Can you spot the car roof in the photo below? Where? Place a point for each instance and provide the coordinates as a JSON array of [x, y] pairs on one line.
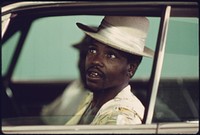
[[148, 8]]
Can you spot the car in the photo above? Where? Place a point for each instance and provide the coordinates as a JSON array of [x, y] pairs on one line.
[[39, 62]]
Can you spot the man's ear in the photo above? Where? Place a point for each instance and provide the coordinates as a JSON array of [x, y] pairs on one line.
[[132, 69]]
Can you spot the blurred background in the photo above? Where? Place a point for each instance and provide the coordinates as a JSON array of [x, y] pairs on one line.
[[54, 37]]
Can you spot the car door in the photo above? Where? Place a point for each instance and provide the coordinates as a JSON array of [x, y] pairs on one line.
[[165, 81]]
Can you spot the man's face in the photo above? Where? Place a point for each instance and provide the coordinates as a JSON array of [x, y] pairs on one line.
[[106, 67]]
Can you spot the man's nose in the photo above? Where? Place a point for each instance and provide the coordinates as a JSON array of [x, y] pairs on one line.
[[98, 60]]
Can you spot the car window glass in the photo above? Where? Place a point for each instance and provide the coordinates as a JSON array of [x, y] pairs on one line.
[[8, 49], [178, 93]]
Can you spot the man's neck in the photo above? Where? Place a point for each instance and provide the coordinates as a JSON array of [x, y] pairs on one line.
[[103, 96]]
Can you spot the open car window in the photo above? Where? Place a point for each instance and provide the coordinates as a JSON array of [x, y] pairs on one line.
[[48, 53], [48, 63]]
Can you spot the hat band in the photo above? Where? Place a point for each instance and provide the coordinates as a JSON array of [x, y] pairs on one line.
[[119, 37]]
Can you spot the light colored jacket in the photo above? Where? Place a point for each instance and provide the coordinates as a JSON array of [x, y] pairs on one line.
[[125, 108], [65, 106]]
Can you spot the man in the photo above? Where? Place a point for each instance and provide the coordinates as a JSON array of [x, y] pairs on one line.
[[114, 53]]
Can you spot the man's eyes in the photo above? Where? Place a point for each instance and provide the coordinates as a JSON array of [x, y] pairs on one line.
[[111, 55], [92, 50], [108, 54]]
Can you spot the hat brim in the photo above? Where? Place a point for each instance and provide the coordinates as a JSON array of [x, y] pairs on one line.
[[147, 52]]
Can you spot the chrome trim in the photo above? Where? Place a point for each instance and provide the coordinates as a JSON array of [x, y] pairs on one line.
[[4, 23], [157, 65]]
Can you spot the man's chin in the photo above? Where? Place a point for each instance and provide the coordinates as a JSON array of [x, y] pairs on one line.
[[93, 87]]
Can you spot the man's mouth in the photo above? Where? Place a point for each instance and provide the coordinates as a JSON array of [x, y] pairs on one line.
[[94, 73]]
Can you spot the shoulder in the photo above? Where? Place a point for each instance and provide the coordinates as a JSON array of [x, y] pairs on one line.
[[122, 109], [117, 114], [125, 101]]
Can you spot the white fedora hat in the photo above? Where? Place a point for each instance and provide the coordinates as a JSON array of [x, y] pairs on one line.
[[125, 33]]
